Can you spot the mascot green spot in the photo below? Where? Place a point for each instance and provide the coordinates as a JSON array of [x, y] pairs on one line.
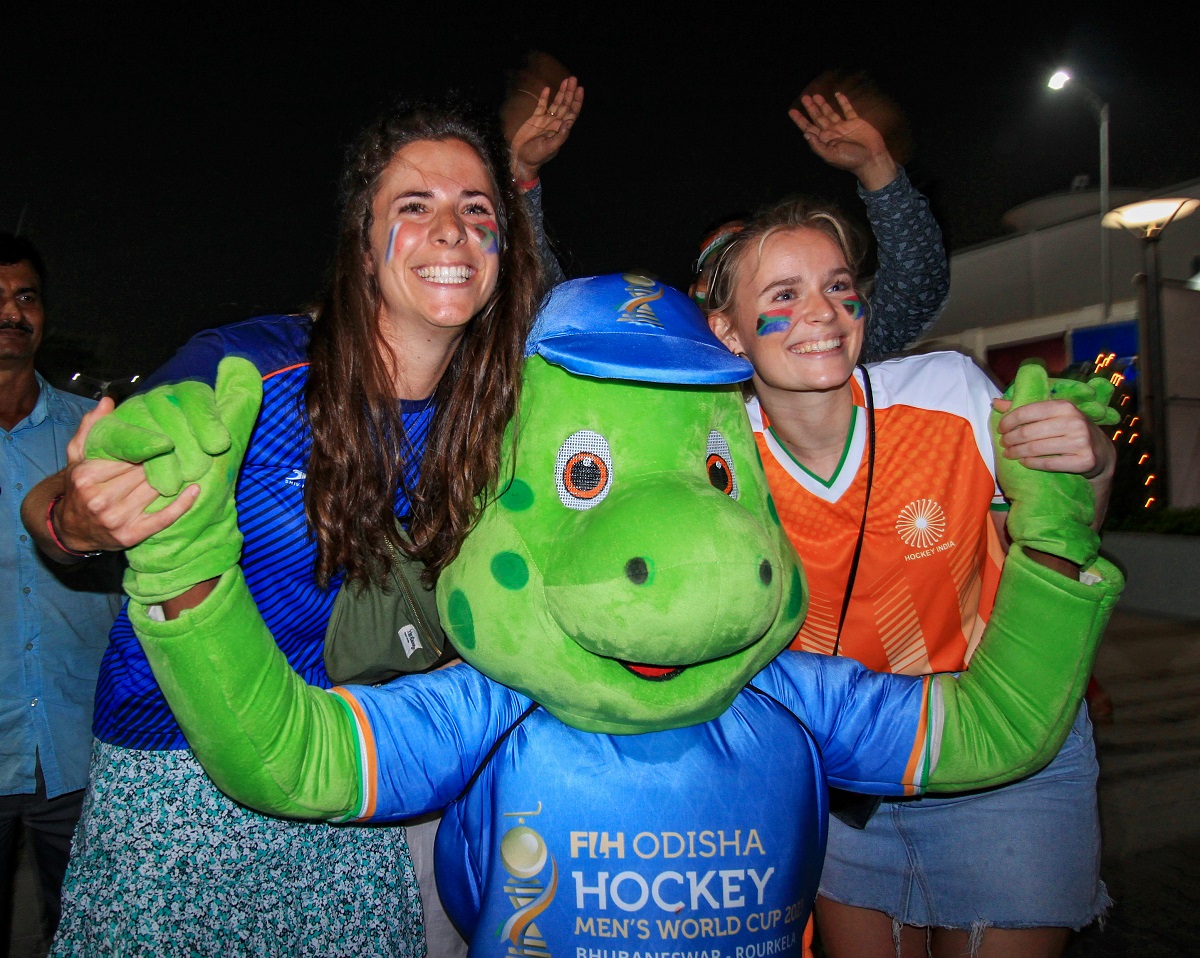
[[796, 594], [459, 621], [639, 571], [510, 570], [517, 496]]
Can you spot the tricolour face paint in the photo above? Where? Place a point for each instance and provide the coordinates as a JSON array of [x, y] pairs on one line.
[[387, 258], [489, 236], [853, 306], [774, 321]]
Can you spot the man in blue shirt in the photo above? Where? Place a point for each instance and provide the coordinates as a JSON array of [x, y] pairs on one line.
[[56, 617]]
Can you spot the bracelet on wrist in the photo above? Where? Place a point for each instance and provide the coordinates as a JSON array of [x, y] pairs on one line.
[[525, 186], [54, 537]]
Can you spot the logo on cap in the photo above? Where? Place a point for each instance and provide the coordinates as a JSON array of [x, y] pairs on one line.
[[642, 292]]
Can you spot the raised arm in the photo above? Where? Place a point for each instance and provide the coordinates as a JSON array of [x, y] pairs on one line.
[[1008, 714], [913, 278], [190, 433], [535, 137]]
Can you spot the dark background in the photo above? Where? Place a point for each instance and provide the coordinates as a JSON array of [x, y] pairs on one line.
[[178, 168]]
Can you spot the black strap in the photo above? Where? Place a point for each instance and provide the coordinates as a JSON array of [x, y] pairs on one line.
[[492, 751], [862, 528], [853, 808]]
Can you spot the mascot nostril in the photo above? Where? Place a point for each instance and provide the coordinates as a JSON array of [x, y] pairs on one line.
[[764, 571], [636, 571]]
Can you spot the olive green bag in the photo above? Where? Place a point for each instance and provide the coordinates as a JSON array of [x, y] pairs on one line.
[[376, 633]]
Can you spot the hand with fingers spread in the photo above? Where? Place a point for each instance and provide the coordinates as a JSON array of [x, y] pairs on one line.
[[845, 140], [543, 134]]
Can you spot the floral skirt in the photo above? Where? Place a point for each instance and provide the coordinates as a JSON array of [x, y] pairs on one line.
[[163, 864]]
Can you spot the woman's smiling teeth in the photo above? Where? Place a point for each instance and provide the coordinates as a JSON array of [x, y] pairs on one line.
[[819, 346], [445, 274]]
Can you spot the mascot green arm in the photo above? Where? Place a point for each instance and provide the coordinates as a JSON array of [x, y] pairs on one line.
[[1021, 688], [267, 738], [240, 704], [1010, 712]]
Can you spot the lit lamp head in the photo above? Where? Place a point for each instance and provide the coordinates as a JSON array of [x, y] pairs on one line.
[[1058, 80], [1148, 218]]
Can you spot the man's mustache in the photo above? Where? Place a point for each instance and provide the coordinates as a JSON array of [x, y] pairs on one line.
[[21, 325]]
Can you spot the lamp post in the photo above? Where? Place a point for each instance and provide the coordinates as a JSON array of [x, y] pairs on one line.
[[1059, 80], [1147, 220]]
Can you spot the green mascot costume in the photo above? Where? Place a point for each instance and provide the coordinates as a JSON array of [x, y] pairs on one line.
[[631, 766]]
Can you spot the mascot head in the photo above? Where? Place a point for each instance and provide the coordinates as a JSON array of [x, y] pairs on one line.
[[631, 573]]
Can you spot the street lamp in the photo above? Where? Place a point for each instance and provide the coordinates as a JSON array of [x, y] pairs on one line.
[[1147, 220], [1057, 82]]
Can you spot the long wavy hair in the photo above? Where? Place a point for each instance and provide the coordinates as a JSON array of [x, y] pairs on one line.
[[360, 453]]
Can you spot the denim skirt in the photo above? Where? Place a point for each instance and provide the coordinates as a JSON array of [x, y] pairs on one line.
[[1024, 855]]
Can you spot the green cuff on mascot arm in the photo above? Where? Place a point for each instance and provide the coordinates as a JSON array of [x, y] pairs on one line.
[[1009, 713], [266, 738]]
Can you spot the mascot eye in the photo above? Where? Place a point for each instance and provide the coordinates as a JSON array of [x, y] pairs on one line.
[[719, 464], [583, 470]]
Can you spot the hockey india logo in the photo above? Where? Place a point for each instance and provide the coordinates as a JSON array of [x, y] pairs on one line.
[[921, 523], [524, 854]]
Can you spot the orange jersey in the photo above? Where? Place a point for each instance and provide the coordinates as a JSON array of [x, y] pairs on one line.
[[931, 559]]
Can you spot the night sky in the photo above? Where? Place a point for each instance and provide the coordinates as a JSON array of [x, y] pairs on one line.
[[178, 171]]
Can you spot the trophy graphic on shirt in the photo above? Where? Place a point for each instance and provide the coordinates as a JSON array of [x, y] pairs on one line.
[[524, 854]]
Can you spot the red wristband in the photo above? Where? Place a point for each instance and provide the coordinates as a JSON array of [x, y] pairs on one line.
[[54, 533], [526, 185]]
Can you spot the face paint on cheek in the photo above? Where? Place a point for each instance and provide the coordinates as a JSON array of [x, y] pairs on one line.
[[387, 258], [489, 236], [774, 321], [853, 305]]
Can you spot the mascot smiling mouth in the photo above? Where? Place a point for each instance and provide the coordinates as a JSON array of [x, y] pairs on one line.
[[654, 673]]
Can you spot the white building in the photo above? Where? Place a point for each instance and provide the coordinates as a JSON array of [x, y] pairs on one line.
[[1038, 292]]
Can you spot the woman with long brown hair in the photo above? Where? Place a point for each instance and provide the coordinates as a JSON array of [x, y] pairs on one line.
[[387, 404]]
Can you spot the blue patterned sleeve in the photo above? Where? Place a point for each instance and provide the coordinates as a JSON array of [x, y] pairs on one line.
[[550, 265], [913, 279]]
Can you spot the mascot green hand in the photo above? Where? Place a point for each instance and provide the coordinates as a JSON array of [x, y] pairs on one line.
[[179, 432], [1091, 398], [627, 759], [144, 429], [1051, 512]]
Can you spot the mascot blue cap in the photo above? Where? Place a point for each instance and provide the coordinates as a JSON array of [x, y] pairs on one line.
[[628, 326]]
